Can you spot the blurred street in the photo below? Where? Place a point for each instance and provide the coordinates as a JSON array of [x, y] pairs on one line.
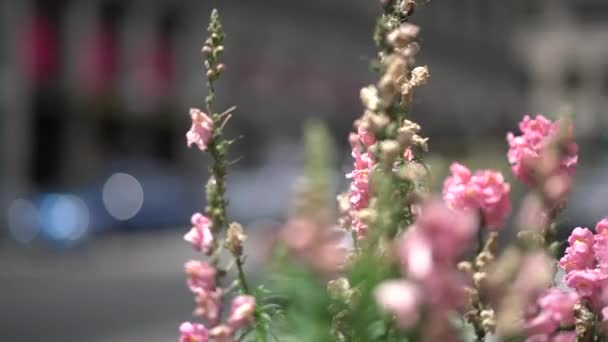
[[127, 288]]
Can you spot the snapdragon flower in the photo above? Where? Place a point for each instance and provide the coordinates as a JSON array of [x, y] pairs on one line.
[[529, 148], [193, 332], [201, 131], [485, 190], [200, 235]]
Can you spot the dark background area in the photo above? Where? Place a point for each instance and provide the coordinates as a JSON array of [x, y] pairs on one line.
[[98, 185]]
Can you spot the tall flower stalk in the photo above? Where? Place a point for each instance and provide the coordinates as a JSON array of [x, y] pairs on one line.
[[207, 232]]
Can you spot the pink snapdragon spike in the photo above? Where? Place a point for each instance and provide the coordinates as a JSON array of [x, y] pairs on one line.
[[527, 149], [200, 235], [201, 275], [193, 332], [201, 131], [485, 190], [359, 192], [553, 308], [579, 254], [400, 298], [242, 310], [208, 304]]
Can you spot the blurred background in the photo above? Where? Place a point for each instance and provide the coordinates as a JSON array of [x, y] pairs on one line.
[[98, 185]]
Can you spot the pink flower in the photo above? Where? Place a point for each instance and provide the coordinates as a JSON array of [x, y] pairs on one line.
[[201, 131], [408, 154], [241, 311], [564, 336], [366, 137], [208, 304], [400, 298], [526, 150], [600, 249], [193, 332], [553, 308], [200, 235], [585, 282], [222, 333], [359, 193], [200, 275], [602, 227], [449, 232], [416, 254], [485, 190], [579, 254]]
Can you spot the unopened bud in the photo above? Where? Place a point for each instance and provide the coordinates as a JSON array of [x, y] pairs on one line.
[[236, 238], [207, 49], [369, 97], [420, 76], [389, 150], [403, 35]]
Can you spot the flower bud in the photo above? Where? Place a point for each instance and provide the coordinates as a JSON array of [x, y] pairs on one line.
[[403, 35], [389, 150], [420, 76], [369, 97], [236, 238]]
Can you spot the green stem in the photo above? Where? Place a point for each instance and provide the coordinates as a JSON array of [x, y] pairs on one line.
[[241, 274]]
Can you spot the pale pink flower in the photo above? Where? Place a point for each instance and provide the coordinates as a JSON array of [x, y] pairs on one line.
[[366, 137], [535, 274], [193, 332], [564, 336], [526, 150], [201, 131], [416, 254], [553, 308], [208, 304], [602, 227], [222, 333], [400, 298], [486, 191], [579, 254], [605, 314], [200, 275], [359, 192], [200, 235], [586, 282], [449, 232], [408, 155], [242, 310], [600, 249]]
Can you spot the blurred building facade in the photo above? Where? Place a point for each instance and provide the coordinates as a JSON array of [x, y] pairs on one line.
[[84, 83]]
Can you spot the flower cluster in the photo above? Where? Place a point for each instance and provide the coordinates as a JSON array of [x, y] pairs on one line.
[[552, 309], [201, 280], [486, 191], [428, 253], [585, 262], [529, 155]]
